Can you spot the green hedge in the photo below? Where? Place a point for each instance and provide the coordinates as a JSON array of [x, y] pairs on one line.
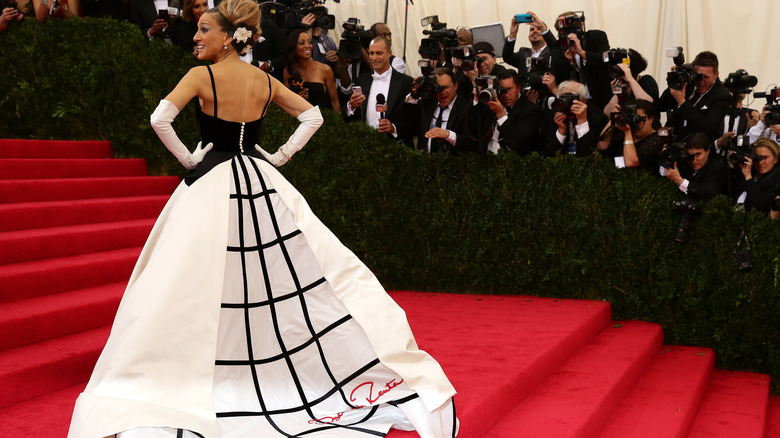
[[563, 227]]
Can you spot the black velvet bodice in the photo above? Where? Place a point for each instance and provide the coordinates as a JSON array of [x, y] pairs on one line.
[[229, 138]]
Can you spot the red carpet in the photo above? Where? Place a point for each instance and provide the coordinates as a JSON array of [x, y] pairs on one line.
[[72, 223]]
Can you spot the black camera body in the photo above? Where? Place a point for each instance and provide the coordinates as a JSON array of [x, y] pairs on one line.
[[626, 116], [426, 87], [537, 68], [740, 144], [772, 97], [674, 153], [740, 82], [613, 57], [688, 209], [567, 24], [468, 57], [354, 39], [289, 17], [563, 103], [488, 88], [681, 73]]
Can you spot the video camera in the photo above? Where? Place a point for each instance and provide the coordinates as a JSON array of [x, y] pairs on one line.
[[289, 17], [354, 39], [488, 88], [570, 23], [772, 97], [439, 36], [613, 57], [740, 82], [681, 73], [532, 80], [626, 116]]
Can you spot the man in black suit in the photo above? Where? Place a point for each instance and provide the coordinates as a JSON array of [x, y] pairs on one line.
[[538, 49], [442, 118], [575, 128], [396, 119], [145, 14], [518, 121], [702, 176], [582, 59], [700, 106]]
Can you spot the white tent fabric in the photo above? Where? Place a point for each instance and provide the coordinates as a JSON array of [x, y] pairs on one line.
[[741, 33]]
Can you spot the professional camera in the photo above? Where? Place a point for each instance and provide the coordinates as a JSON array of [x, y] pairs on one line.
[[426, 87], [563, 103], [622, 93], [426, 66], [626, 116], [468, 57], [740, 82], [740, 144], [537, 67], [289, 17], [354, 39], [571, 23], [613, 57], [688, 209], [439, 36], [674, 153], [772, 97], [681, 73], [488, 88]]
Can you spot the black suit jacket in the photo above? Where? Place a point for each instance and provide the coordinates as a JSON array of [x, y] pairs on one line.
[[760, 188], [594, 72], [585, 144], [705, 116], [456, 122], [708, 181], [143, 13], [271, 48], [400, 113], [518, 59], [521, 130]]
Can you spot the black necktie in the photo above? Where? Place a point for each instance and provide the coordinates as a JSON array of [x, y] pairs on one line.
[[439, 117]]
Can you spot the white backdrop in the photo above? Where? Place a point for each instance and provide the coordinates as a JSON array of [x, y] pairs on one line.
[[742, 33]]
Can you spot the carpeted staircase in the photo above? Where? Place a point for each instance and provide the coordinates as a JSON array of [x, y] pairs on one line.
[[73, 220]]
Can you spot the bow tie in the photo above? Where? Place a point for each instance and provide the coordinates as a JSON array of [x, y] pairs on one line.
[[382, 77]]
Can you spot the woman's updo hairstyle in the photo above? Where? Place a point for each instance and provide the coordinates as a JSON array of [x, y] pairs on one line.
[[241, 20]]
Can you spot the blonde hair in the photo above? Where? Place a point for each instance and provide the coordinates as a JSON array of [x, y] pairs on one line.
[[232, 14], [768, 143]]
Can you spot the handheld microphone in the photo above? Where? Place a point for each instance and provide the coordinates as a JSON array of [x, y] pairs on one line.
[[381, 105], [174, 8]]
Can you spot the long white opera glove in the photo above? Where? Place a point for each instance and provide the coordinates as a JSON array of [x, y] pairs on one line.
[[161, 119], [311, 119]]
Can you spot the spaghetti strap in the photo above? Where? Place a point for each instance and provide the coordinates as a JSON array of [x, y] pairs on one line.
[[269, 95], [214, 90]]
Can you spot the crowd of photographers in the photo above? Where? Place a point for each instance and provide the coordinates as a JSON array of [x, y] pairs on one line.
[[567, 91]]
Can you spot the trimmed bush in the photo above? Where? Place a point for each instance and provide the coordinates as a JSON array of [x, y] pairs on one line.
[[562, 227]]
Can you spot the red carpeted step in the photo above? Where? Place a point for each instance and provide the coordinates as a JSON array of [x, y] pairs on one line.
[[27, 215], [13, 148], [579, 397], [496, 350], [26, 322], [734, 405], [49, 366], [664, 402], [35, 190], [50, 276], [29, 168], [773, 418], [48, 415], [46, 243]]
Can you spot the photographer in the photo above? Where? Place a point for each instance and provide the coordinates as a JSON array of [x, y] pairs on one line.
[[573, 124], [487, 65], [517, 119], [579, 54], [699, 175], [538, 49], [442, 126], [638, 143], [760, 175], [698, 106], [631, 79], [762, 129]]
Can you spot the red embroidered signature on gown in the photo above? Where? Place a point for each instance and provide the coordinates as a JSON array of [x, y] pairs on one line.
[[370, 397]]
